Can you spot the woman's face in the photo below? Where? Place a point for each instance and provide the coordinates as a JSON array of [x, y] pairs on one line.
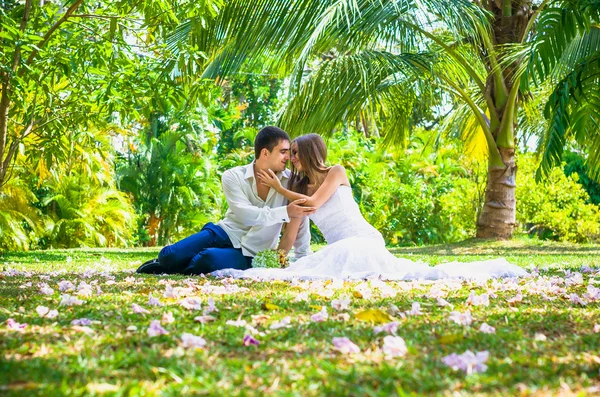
[[294, 157]]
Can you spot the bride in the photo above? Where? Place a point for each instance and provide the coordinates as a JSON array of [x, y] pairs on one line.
[[355, 249]]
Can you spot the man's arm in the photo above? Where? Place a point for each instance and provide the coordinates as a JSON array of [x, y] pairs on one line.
[[245, 211], [251, 215]]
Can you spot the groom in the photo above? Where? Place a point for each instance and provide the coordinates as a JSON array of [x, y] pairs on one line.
[[252, 222]]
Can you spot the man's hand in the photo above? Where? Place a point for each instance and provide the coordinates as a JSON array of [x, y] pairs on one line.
[[295, 210]]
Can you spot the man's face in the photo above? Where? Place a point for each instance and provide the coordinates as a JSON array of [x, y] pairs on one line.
[[279, 156]]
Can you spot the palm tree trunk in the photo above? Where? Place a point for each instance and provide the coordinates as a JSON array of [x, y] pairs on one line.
[[498, 216]]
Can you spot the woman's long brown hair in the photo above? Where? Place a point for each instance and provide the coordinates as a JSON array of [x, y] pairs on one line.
[[312, 153]]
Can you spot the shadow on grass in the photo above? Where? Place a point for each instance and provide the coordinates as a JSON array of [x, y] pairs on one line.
[[81, 254], [514, 247]]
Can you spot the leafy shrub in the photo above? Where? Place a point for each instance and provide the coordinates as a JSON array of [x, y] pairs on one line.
[[557, 208], [19, 219], [86, 214], [417, 196]]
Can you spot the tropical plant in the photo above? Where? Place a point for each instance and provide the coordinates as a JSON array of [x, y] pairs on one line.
[[348, 58], [173, 184], [19, 219], [77, 65], [558, 208], [87, 214]]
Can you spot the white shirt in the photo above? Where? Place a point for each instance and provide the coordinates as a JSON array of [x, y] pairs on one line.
[[253, 224]]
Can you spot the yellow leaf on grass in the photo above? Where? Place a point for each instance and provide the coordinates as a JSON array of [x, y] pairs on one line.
[[316, 307], [374, 316], [270, 306], [449, 339], [357, 294]]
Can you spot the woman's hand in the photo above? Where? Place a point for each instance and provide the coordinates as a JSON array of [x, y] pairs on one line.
[[269, 178]]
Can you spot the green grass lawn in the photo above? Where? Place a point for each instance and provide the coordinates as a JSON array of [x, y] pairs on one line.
[[544, 344]]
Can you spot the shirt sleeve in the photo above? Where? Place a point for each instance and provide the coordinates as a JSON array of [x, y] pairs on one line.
[[302, 243], [244, 210]]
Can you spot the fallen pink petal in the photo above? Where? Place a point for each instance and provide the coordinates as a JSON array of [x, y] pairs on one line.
[[250, 340], [487, 329], [138, 309], [468, 362], [190, 341], [345, 345], [15, 326], [394, 346], [155, 329]]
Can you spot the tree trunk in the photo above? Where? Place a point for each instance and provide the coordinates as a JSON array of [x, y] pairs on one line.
[[498, 216], [509, 26]]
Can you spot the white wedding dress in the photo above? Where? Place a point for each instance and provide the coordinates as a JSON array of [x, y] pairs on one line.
[[356, 250]]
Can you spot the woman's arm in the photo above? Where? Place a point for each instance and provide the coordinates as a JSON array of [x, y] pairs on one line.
[[289, 235], [335, 177]]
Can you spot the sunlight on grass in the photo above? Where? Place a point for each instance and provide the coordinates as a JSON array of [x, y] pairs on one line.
[[545, 337]]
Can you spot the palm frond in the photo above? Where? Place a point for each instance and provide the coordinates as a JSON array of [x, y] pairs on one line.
[[344, 85], [557, 27], [574, 110]]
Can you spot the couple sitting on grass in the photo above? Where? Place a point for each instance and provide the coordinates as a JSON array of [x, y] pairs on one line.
[[257, 195]]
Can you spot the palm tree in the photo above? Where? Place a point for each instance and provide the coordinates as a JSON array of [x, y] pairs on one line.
[[351, 58]]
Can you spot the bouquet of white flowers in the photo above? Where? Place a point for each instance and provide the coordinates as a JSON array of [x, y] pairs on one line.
[[271, 258]]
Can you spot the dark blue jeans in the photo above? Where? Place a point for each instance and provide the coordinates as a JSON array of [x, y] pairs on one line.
[[204, 252]]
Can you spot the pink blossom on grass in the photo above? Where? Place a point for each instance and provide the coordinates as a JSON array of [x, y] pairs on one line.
[[467, 362], [340, 304], [443, 302], [15, 326], [138, 309], [389, 328], [43, 311], [574, 298], [345, 345], [284, 323], [65, 285], [170, 292], [190, 341], [415, 309], [204, 319], [81, 322], [478, 300], [250, 340], [167, 318], [387, 291], [152, 301], [394, 346], [211, 307], [236, 323], [596, 328], [69, 300], [461, 318], [155, 329], [191, 303], [45, 289], [301, 297], [320, 316], [517, 298], [592, 293], [586, 269], [487, 329]]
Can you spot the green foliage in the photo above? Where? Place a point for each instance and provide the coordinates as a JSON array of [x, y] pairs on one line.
[[19, 219], [557, 208], [417, 197], [86, 214], [173, 184], [575, 164]]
